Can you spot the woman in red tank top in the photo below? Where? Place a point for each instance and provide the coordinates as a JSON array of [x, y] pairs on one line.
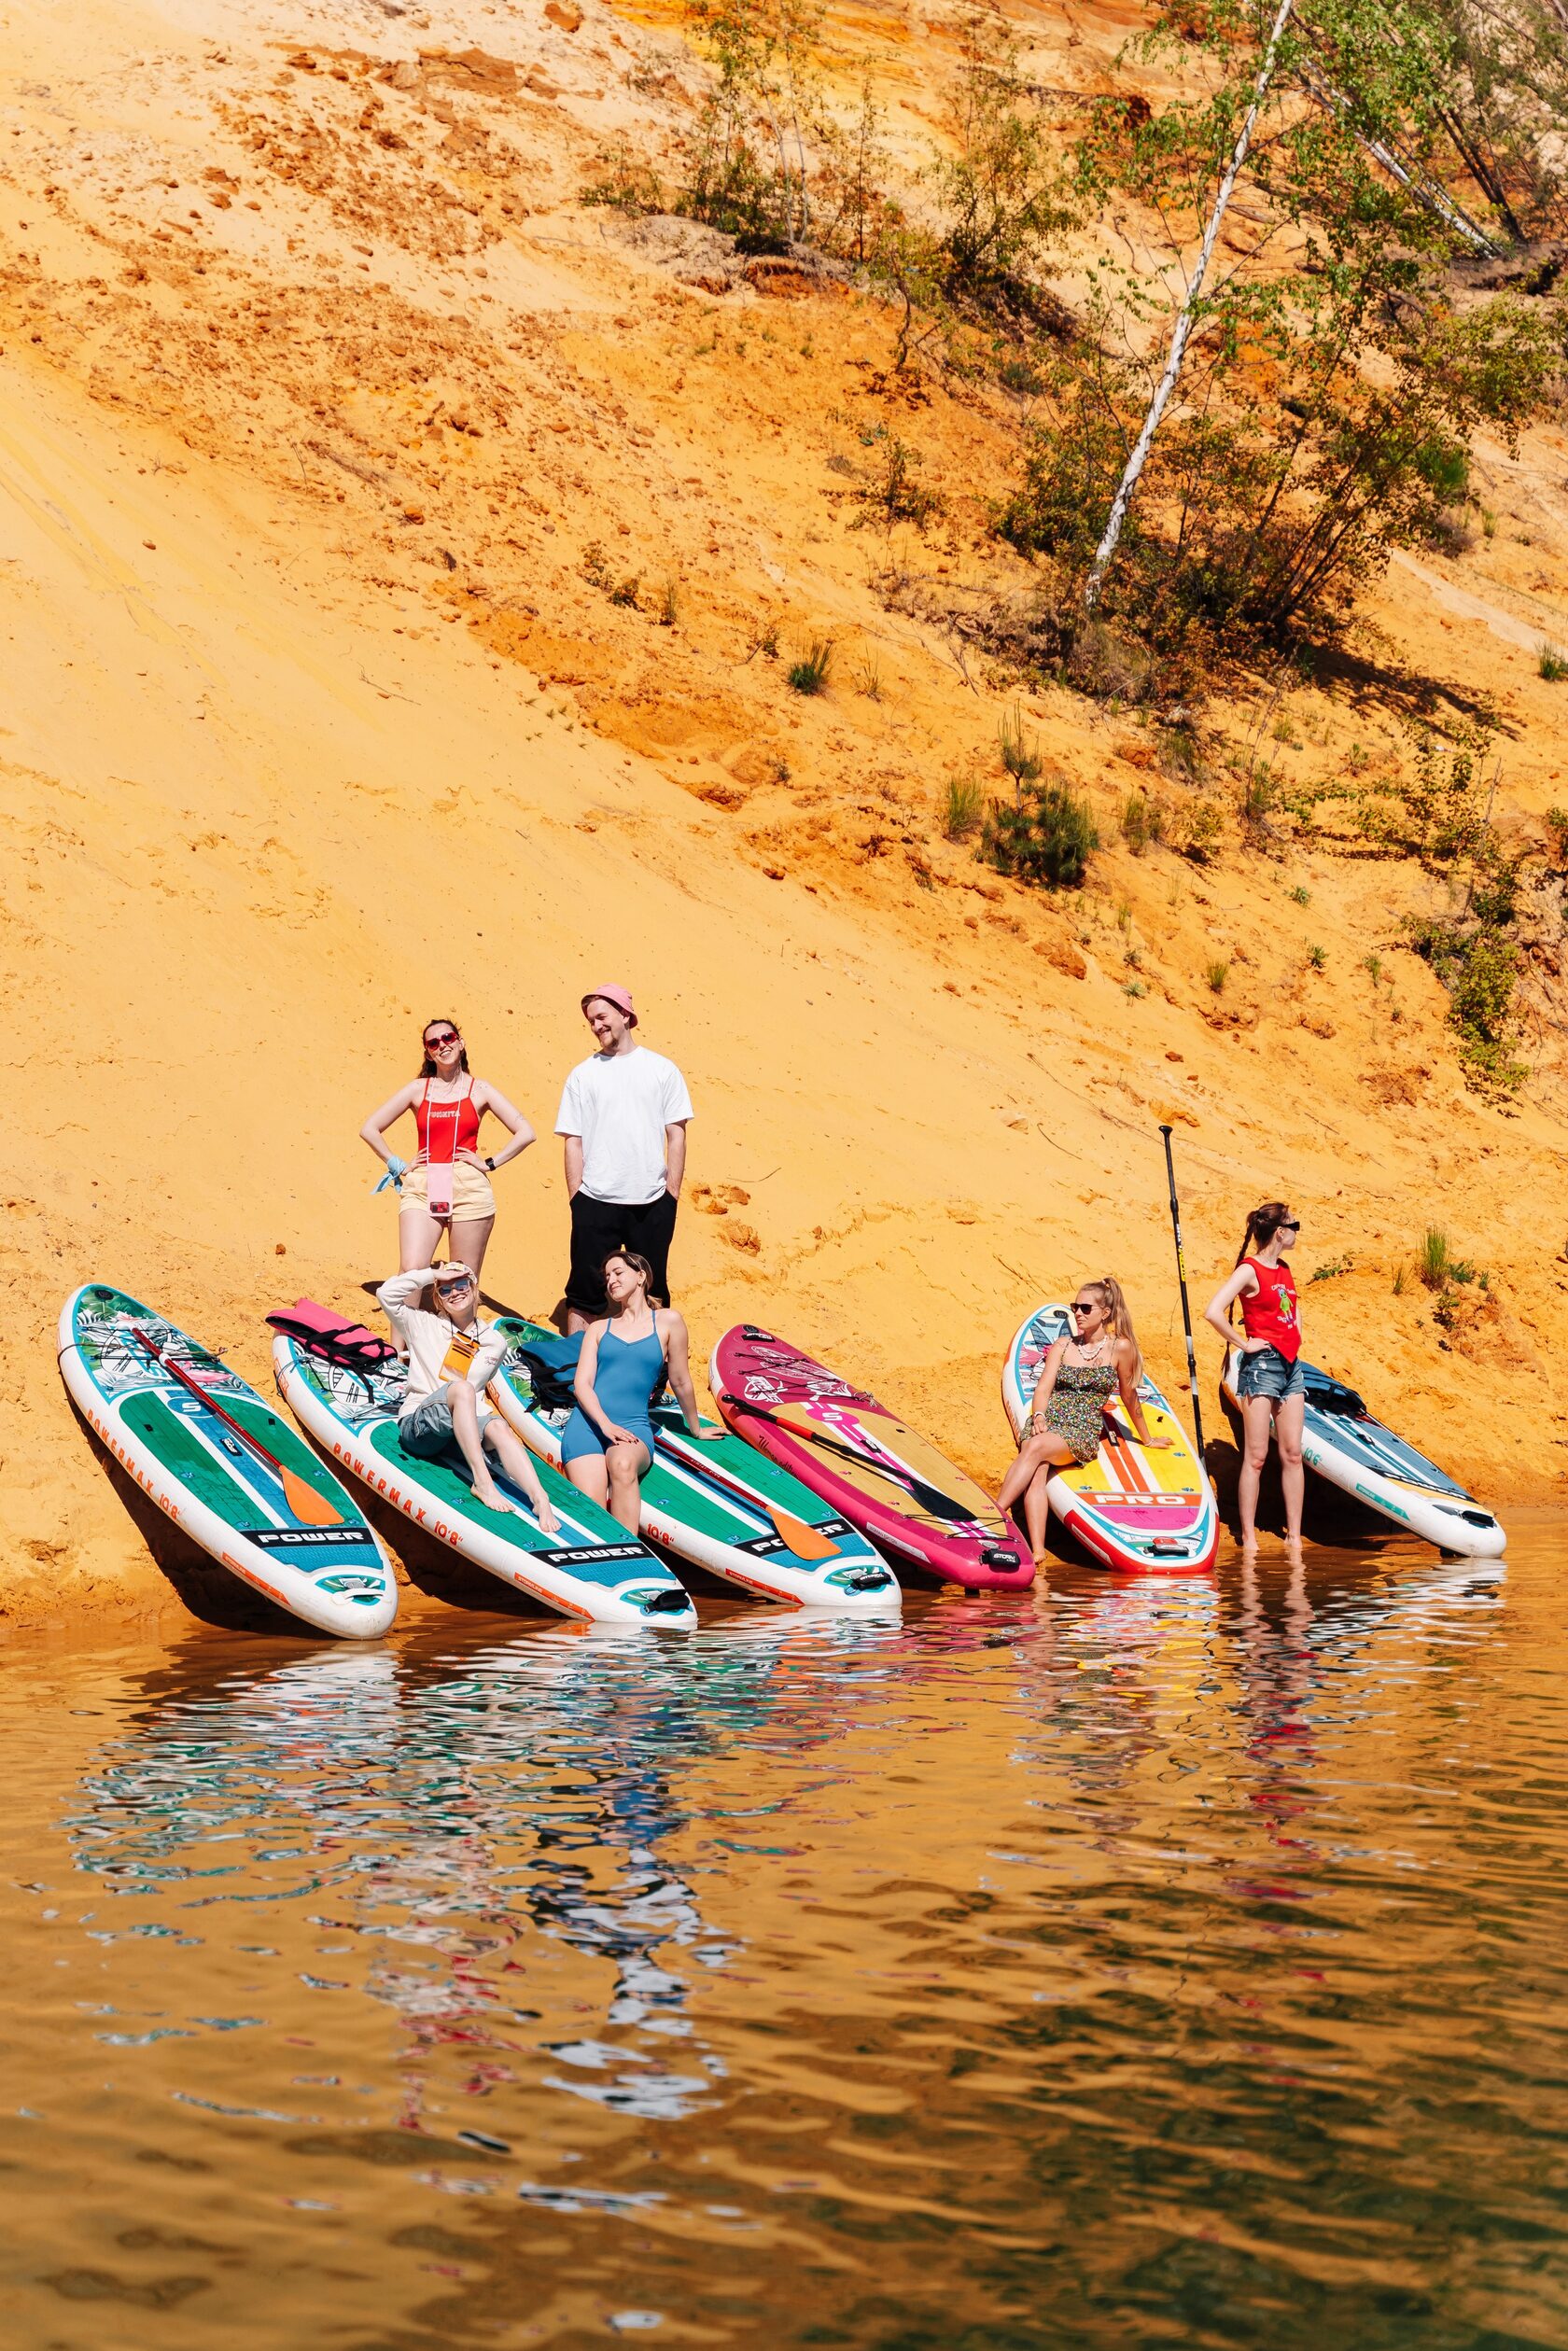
[[1270, 1386], [446, 1184]]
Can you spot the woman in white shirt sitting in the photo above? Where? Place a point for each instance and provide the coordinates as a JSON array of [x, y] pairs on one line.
[[453, 1356]]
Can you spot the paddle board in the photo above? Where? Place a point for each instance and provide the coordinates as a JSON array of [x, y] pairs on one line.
[[1348, 1449], [223, 1465], [1152, 1512], [865, 1463], [589, 1568], [716, 1501]]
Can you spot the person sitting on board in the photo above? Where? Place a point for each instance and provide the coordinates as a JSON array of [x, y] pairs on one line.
[[446, 1184], [1067, 1418], [622, 1123], [453, 1356], [1270, 1385], [607, 1446]]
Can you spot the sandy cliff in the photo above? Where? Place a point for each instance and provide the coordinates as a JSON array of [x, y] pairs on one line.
[[319, 391]]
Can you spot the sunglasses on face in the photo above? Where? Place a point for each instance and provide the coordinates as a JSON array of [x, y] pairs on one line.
[[454, 1289], [448, 1037], [1289, 1224], [1079, 1308]]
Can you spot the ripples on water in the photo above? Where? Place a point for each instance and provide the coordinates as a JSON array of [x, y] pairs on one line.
[[1135, 1962]]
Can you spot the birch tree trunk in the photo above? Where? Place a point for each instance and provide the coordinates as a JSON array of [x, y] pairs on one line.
[[1166, 384]]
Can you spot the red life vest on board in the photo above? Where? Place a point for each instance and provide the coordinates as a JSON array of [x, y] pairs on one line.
[[1270, 1311]]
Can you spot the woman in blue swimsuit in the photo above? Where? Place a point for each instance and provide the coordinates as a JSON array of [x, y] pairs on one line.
[[607, 1446]]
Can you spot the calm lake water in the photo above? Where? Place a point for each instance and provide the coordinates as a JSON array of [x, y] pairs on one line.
[[1123, 1963]]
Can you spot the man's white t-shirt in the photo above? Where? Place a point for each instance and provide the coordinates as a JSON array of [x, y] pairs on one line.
[[621, 1103]]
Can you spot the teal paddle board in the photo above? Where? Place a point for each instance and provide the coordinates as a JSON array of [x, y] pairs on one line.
[[223, 1465]]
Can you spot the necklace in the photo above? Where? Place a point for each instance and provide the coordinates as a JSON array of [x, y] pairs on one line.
[[1102, 1348]]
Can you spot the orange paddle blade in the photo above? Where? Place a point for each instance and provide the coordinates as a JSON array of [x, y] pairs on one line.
[[310, 1508], [806, 1542]]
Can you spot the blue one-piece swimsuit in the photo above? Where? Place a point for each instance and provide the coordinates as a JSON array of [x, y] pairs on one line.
[[624, 1379]]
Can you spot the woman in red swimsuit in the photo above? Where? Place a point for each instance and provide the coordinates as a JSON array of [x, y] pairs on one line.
[[1270, 1385], [446, 1182]]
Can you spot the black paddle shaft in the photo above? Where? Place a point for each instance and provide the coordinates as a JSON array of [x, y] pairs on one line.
[[1187, 1310]]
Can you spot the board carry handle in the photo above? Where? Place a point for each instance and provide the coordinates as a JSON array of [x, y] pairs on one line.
[[310, 1508]]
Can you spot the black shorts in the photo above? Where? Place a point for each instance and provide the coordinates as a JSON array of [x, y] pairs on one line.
[[598, 1226]]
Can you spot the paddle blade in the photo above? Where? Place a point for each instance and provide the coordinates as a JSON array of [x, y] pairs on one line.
[[806, 1542], [310, 1508]]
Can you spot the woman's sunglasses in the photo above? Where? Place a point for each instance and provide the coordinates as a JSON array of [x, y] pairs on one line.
[[1079, 1308], [454, 1289], [447, 1037]]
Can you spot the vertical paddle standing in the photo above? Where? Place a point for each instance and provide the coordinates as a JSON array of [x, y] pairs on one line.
[[1187, 1310]]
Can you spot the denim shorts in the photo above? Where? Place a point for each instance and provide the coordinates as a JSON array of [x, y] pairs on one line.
[[1267, 1372], [425, 1429]]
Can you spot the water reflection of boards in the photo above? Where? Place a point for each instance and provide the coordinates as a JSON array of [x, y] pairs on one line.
[[1148, 1512], [218, 1461], [716, 1503], [589, 1568], [881, 1476], [1348, 1449]]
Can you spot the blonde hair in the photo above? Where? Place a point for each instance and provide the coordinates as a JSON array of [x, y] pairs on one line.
[[1113, 1299]]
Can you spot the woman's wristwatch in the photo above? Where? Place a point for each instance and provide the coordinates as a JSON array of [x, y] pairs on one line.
[[490, 1166]]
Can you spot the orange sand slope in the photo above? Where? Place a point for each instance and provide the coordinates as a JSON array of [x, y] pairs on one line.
[[316, 384]]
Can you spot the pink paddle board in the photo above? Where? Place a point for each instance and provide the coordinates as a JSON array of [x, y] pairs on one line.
[[886, 1480]]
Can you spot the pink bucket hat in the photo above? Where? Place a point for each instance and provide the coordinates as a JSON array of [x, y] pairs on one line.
[[618, 997]]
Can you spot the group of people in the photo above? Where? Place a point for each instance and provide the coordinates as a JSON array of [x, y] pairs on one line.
[[623, 1122]]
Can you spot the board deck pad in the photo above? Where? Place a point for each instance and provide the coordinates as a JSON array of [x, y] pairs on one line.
[[717, 1503], [589, 1567], [881, 1475], [1132, 1507], [1348, 1446], [122, 1363]]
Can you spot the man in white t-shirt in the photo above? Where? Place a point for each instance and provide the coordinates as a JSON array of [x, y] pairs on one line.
[[623, 1114]]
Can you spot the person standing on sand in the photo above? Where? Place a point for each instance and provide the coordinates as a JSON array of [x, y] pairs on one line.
[[623, 1121], [453, 1356], [1270, 1382], [446, 1184], [1067, 1418]]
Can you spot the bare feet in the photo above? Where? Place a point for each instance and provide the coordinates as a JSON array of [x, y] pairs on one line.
[[492, 1499], [1248, 1546]]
